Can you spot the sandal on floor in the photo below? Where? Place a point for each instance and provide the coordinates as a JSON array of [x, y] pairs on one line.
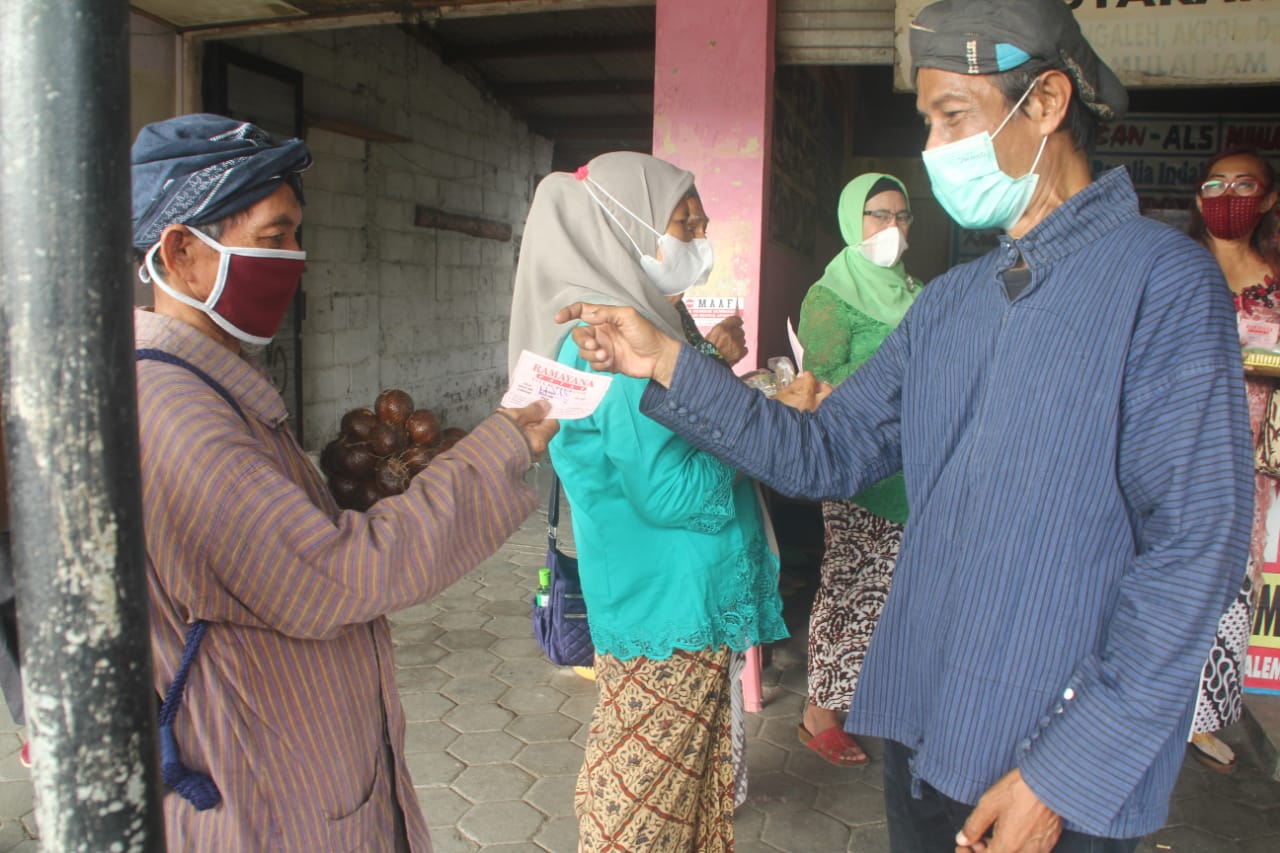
[[1212, 753], [831, 744]]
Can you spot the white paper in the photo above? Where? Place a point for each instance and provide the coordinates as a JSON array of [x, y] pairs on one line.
[[795, 345], [1259, 333], [571, 393]]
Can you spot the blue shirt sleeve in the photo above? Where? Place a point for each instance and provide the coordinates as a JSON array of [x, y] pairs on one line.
[[850, 442]]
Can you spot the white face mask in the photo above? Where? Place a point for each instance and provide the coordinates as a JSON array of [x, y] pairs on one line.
[[884, 248], [683, 265]]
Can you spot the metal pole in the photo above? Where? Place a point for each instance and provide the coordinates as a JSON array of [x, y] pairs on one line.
[[71, 422]]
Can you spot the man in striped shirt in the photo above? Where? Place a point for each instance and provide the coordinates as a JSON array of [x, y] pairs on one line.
[[290, 727], [1069, 414]]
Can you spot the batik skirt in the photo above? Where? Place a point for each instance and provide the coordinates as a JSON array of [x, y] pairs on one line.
[[658, 772], [857, 568], [1220, 700]]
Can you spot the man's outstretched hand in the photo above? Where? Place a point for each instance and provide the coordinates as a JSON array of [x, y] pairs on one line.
[[619, 340]]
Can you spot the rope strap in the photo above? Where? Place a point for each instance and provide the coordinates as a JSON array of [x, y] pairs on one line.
[[193, 786]]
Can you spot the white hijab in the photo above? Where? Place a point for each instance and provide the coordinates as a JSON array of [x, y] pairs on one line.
[[572, 250]]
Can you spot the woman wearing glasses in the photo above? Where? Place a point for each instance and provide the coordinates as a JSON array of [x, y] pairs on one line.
[[846, 315], [1235, 218]]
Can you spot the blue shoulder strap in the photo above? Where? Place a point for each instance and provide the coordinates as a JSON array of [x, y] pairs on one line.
[[170, 358], [194, 787]]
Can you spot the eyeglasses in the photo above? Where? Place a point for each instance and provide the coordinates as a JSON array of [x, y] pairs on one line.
[[886, 217], [1240, 187]]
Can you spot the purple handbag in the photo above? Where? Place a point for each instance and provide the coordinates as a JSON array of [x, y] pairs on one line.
[[560, 625]]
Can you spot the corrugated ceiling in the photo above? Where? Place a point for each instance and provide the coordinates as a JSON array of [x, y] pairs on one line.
[[578, 71]]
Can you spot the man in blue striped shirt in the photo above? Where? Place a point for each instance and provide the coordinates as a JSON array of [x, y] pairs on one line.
[[1069, 412]]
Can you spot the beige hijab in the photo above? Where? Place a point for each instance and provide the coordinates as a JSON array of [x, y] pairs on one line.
[[573, 250]]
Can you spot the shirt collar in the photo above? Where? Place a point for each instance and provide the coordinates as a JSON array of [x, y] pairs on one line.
[[247, 382], [1080, 221]]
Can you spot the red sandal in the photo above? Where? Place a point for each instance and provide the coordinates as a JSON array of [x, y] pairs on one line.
[[832, 744]]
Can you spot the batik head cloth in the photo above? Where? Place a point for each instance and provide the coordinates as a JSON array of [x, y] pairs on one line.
[[201, 168], [993, 36]]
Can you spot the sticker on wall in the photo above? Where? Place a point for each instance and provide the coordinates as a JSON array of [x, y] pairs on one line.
[[706, 311]]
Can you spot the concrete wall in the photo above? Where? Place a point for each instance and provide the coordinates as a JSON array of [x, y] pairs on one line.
[[152, 63], [390, 304]]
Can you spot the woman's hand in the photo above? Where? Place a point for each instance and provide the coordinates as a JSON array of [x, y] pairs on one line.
[[805, 392], [729, 339]]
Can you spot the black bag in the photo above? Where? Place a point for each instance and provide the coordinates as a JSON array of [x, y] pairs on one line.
[[560, 623]]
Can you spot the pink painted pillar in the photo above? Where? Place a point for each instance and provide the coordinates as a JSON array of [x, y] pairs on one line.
[[713, 115]]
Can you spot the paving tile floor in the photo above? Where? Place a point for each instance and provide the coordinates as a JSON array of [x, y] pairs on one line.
[[495, 736]]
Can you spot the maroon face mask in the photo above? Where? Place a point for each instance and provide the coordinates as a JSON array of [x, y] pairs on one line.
[[252, 292], [1231, 217]]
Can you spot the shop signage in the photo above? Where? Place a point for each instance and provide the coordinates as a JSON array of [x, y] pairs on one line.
[[1165, 153], [1262, 669], [1152, 43], [1262, 666]]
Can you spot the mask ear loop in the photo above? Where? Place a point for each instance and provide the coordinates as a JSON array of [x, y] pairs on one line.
[[1043, 140], [609, 213], [1016, 107], [593, 183], [224, 265], [145, 272], [150, 275], [1036, 162]]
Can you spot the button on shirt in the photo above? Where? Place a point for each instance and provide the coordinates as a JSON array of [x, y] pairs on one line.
[[1078, 469]]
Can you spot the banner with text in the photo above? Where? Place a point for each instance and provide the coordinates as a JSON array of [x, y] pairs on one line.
[[1165, 153], [1262, 668], [1262, 671]]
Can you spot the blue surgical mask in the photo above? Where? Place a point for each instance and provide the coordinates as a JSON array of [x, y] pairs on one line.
[[969, 184]]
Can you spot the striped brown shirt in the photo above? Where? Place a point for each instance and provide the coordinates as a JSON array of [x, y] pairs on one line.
[[292, 696]]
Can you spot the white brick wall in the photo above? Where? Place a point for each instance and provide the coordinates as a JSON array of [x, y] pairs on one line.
[[390, 304]]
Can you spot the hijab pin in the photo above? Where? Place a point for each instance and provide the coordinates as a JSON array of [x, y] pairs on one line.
[[581, 173]]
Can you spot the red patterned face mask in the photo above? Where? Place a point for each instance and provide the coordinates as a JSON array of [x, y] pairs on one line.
[[1231, 217]]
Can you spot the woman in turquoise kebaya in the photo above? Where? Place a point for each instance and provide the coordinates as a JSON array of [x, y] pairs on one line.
[[671, 548]]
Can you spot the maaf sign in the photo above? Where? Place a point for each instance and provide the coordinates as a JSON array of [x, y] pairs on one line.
[[1151, 43]]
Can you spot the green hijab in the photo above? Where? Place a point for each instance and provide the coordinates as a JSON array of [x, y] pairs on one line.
[[881, 293]]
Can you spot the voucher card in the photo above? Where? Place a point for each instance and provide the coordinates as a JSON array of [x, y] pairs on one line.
[[571, 393]]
